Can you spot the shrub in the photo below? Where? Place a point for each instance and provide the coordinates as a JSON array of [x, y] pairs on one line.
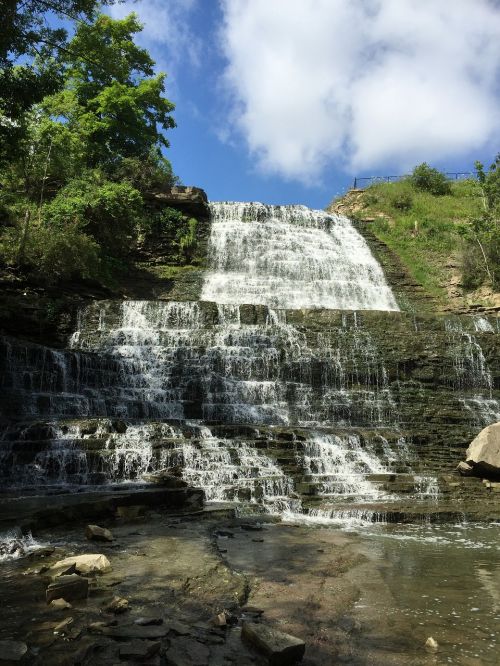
[[109, 212], [427, 179], [402, 201], [54, 254]]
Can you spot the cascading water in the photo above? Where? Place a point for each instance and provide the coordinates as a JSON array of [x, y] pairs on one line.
[[472, 375], [291, 257], [256, 398]]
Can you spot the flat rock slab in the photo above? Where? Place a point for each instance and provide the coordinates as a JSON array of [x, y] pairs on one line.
[[184, 651], [83, 564], [68, 588], [281, 649], [139, 650], [38, 511], [125, 633], [12, 651]]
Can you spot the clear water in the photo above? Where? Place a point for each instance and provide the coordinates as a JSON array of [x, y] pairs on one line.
[[444, 582]]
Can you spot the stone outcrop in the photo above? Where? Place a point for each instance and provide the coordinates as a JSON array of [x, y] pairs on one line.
[[483, 454], [68, 588], [96, 533], [280, 648], [187, 199]]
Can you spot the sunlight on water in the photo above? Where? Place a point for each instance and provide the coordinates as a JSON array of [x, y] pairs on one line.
[[291, 257]]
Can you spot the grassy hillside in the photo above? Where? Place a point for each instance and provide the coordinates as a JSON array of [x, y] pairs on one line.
[[424, 230]]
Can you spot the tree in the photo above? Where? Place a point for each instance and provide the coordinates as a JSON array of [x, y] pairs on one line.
[[26, 34], [112, 99], [482, 232], [430, 180], [86, 154]]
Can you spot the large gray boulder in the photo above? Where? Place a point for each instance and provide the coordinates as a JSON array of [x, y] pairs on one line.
[[483, 453]]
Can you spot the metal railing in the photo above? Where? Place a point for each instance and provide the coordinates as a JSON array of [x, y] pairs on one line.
[[371, 180]]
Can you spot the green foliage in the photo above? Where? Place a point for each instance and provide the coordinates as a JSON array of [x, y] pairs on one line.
[[109, 212], [153, 172], [179, 230], [481, 233], [53, 254], [427, 179], [402, 201], [426, 235], [81, 132], [111, 98], [28, 37]]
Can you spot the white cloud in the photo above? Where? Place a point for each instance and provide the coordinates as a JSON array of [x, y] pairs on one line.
[[166, 31], [364, 83]]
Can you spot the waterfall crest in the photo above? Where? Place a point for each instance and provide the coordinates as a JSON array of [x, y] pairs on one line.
[[291, 257]]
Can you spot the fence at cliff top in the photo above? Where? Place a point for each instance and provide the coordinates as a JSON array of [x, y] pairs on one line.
[[366, 181]]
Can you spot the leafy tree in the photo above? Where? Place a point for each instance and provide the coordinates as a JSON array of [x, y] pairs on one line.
[[85, 152], [431, 180], [112, 98], [27, 35], [108, 212], [481, 257]]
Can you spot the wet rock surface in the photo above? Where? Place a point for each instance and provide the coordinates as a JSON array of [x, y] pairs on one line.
[[186, 588]]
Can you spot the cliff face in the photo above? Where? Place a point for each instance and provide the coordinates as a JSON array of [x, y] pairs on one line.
[[434, 379], [46, 313]]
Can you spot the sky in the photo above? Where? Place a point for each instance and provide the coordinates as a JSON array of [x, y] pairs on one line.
[[286, 101]]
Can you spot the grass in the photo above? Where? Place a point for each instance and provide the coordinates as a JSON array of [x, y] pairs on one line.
[[422, 228]]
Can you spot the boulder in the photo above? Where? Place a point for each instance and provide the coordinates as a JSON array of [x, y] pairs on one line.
[[68, 588], [117, 605], [280, 648], [165, 478], [465, 469], [96, 533], [59, 604], [82, 564], [12, 650], [483, 454]]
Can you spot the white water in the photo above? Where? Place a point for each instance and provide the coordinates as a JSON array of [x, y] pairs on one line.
[[291, 257]]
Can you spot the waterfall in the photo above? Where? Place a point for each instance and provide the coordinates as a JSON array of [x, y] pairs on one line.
[[291, 257], [282, 388], [472, 375]]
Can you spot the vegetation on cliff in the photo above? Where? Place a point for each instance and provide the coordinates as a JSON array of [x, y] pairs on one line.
[[446, 233], [83, 124]]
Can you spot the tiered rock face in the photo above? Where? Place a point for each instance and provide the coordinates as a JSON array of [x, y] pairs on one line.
[[292, 408], [435, 378], [286, 407]]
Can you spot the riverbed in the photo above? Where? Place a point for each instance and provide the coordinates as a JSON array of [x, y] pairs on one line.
[[368, 594]]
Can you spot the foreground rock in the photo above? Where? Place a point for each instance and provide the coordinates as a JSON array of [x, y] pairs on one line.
[[68, 588], [166, 478], [483, 454], [12, 651], [96, 533], [82, 564], [281, 649]]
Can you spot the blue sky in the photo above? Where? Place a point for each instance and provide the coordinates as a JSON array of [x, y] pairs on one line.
[[285, 101]]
